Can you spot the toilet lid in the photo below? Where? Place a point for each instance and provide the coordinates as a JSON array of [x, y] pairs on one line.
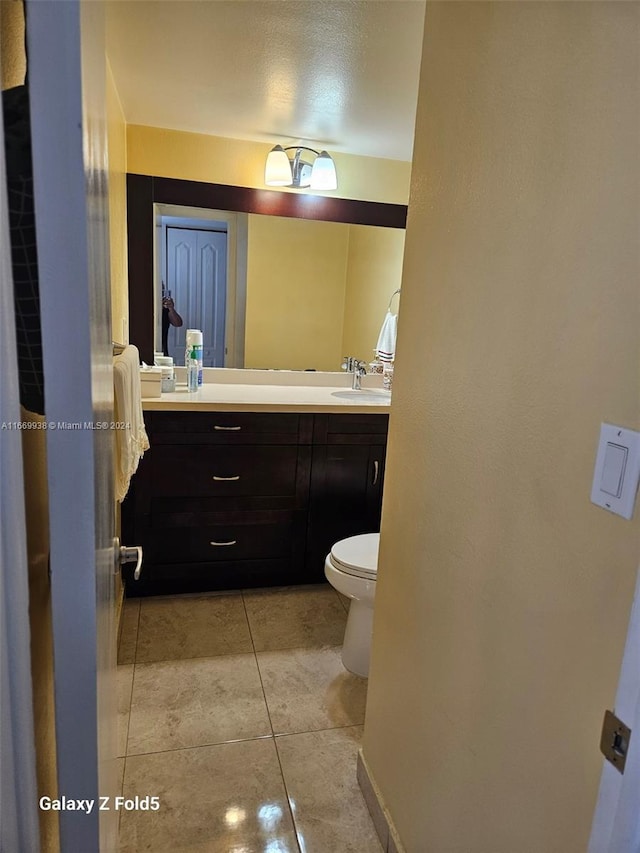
[[357, 555]]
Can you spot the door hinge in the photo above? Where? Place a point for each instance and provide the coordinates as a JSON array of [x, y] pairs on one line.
[[614, 743]]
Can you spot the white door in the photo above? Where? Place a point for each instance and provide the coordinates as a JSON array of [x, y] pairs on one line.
[[67, 85], [616, 823], [196, 266]]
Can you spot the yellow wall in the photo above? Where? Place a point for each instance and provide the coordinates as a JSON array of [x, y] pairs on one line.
[[374, 271], [317, 291], [198, 157], [117, 142], [503, 593], [296, 268], [12, 54]]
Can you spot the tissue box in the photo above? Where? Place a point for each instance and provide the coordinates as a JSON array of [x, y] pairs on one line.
[[151, 381]]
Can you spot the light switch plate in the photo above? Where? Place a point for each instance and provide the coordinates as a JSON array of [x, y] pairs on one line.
[[617, 471]]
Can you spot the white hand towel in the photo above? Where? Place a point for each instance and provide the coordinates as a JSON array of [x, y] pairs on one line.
[[386, 346], [131, 441]]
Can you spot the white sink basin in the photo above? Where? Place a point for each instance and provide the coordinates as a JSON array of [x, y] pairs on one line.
[[367, 395]]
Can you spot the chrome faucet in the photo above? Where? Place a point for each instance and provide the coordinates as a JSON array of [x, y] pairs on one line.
[[359, 370], [347, 363]]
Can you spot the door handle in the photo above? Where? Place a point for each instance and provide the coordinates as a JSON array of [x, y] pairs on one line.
[[228, 428], [376, 468], [225, 479], [221, 544], [130, 555]]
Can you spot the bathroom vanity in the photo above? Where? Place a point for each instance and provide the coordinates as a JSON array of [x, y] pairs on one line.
[[246, 487]]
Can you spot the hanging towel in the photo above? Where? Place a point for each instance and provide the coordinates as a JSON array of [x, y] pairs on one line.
[[131, 441], [386, 346]]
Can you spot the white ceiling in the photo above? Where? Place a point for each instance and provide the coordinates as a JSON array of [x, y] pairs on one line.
[[336, 74]]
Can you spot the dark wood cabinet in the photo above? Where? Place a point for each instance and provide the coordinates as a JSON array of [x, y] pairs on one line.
[[347, 473], [225, 500]]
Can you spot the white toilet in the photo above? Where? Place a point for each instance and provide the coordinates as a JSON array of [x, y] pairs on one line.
[[351, 567]]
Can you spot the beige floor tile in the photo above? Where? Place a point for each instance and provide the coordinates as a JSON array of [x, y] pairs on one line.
[[295, 617], [194, 702], [320, 774], [128, 631], [124, 683], [174, 628], [309, 689], [214, 799]]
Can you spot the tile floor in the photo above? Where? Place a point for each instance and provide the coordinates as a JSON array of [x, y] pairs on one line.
[[235, 710]]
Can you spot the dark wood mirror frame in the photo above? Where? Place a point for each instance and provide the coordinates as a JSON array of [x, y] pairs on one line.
[[143, 191]]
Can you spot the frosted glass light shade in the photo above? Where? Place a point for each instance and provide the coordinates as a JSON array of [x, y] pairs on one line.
[[277, 171], [323, 174]]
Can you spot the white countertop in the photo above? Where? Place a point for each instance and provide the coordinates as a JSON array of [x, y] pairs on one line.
[[231, 397]]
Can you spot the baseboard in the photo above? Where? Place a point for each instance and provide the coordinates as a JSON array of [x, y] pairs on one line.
[[380, 816]]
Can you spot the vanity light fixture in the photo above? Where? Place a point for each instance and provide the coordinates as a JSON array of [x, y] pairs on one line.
[[282, 171]]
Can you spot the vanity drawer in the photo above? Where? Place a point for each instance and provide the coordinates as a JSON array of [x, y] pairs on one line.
[[181, 471], [221, 542], [227, 427], [350, 429], [185, 577]]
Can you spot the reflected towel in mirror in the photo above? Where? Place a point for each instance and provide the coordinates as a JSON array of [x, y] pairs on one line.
[[386, 346]]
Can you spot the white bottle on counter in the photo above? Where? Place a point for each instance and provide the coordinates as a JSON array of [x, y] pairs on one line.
[[194, 341], [193, 368], [168, 376]]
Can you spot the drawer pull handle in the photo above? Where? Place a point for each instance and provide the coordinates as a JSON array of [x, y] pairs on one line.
[[224, 427], [230, 542], [225, 479], [375, 472]]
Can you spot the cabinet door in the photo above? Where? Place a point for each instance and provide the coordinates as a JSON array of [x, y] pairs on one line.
[[346, 497]]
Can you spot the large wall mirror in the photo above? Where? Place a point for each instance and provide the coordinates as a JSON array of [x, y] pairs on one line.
[[276, 280]]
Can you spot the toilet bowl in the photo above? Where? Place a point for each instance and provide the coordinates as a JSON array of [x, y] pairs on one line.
[[351, 567]]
